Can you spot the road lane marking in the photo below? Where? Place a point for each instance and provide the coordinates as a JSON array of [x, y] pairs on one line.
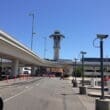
[[26, 87], [20, 93], [37, 84]]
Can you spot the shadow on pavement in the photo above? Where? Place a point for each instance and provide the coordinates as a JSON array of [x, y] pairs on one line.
[[64, 101], [1, 103]]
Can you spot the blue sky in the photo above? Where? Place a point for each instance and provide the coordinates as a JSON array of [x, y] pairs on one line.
[[78, 20]]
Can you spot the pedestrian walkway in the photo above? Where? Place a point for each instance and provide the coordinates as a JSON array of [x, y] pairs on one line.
[[9, 82], [55, 92], [73, 100], [98, 94]]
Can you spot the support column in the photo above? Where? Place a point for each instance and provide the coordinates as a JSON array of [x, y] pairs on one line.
[[15, 67], [20, 70], [33, 70]]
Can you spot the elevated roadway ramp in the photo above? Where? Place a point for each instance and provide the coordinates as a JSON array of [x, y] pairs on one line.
[[18, 53]]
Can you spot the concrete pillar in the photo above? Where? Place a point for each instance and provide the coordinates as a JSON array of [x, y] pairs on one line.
[[21, 70], [15, 67], [33, 68]]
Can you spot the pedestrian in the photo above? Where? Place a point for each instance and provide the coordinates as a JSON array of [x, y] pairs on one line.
[[62, 77]]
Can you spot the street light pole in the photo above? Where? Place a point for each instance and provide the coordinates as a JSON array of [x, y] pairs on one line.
[[82, 89], [45, 46], [75, 67], [101, 68], [102, 104], [101, 37], [83, 53], [74, 73], [33, 16]]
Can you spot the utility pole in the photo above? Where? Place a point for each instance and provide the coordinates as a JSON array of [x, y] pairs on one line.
[[82, 88], [45, 46], [102, 103], [83, 53], [101, 37], [33, 17], [75, 67]]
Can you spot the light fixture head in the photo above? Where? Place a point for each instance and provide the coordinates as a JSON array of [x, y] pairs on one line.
[[82, 52], [102, 36]]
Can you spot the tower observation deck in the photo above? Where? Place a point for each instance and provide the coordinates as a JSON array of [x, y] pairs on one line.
[[56, 36]]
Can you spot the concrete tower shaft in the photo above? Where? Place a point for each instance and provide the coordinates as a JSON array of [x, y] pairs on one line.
[[56, 36]]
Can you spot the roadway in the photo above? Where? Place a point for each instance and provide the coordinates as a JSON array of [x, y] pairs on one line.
[[45, 94]]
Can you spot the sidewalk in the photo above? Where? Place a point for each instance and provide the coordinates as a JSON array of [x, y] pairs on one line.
[[84, 102], [10, 82], [96, 91], [98, 94], [97, 87]]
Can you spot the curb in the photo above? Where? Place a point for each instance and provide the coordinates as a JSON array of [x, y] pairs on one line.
[[93, 94], [23, 82], [96, 88]]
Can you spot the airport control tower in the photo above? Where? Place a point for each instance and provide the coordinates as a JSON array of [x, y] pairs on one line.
[[56, 36]]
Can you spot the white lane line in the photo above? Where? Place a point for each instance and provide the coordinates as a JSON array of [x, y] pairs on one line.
[[37, 84], [20, 93], [26, 87]]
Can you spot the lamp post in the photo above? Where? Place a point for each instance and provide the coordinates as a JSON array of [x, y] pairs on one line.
[[101, 37], [45, 46], [102, 103], [83, 53], [74, 71], [33, 16], [75, 67], [82, 89]]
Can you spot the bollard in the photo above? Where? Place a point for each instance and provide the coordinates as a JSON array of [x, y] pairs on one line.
[[20, 77], [14, 78], [26, 76], [7, 78]]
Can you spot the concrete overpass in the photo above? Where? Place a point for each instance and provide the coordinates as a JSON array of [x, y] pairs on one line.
[[20, 54]]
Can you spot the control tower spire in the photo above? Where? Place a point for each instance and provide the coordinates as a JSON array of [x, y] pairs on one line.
[[56, 36]]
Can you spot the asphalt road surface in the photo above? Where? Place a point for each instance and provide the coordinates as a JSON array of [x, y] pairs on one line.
[[45, 94]]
